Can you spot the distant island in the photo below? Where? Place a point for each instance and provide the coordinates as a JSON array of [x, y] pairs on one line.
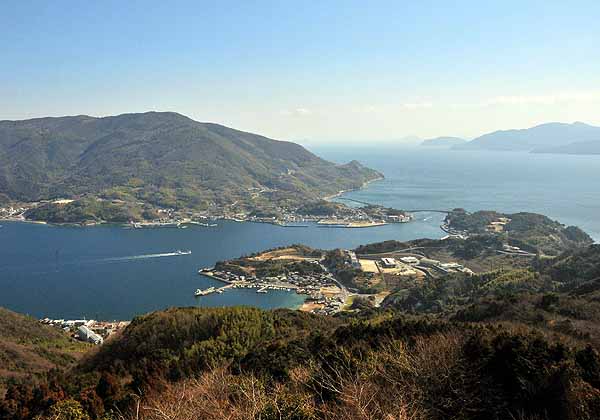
[[576, 138], [139, 167], [443, 142]]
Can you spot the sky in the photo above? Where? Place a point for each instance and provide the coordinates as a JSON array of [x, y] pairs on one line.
[[317, 72]]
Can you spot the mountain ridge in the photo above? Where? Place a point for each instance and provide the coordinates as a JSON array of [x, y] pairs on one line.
[[160, 157], [547, 135]]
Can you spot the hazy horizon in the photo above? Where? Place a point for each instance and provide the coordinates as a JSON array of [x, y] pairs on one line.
[[335, 73]]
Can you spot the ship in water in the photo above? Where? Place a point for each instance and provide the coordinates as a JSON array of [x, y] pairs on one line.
[[180, 252], [200, 292]]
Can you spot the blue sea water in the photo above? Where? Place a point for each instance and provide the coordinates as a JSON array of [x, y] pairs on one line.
[[563, 187], [109, 272]]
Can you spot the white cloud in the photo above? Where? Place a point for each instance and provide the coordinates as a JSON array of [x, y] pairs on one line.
[[296, 111]]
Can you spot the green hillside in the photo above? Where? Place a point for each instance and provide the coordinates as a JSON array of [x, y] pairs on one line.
[[161, 158], [29, 348]]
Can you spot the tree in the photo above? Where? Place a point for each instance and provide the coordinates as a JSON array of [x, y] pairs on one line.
[[67, 410]]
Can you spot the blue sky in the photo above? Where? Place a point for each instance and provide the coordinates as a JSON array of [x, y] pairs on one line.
[[315, 72]]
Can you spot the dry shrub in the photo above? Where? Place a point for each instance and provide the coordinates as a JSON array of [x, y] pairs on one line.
[[214, 395], [220, 395], [400, 381]]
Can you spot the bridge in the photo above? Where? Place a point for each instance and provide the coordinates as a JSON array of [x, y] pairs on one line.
[[429, 211]]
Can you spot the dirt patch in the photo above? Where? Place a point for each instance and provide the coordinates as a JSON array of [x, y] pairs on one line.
[[311, 306], [368, 266]]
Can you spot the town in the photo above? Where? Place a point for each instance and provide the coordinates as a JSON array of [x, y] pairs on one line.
[[322, 212], [89, 331], [329, 279]]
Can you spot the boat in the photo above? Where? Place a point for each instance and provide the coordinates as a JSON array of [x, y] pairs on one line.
[[180, 252], [200, 292]]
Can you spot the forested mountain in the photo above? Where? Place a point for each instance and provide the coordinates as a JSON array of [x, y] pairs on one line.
[[545, 136], [162, 158]]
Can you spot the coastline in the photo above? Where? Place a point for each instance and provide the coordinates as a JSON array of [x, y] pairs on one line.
[[365, 184], [176, 223]]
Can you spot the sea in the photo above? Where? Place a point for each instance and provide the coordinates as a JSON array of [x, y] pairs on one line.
[[115, 273]]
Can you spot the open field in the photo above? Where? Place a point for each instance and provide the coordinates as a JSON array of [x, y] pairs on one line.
[[368, 266], [290, 253], [400, 270]]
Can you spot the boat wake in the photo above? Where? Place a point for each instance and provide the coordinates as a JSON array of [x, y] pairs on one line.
[[145, 256], [52, 267]]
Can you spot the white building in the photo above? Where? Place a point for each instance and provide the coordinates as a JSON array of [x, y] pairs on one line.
[[85, 334], [410, 260], [388, 262]]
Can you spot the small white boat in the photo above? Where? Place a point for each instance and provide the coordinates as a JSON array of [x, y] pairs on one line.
[[180, 252]]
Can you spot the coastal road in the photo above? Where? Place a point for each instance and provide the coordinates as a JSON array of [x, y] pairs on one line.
[[345, 292]]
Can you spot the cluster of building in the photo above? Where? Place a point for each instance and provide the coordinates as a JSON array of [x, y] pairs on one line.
[[329, 304], [407, 265], [451, 267], [10, 212], [400, 267], [310, 284], [345, 217], [87, 330]]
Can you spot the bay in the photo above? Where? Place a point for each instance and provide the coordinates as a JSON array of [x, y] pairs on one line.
[[109, 272]]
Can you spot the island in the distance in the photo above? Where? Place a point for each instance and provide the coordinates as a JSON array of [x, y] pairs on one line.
[[559, 138], [443, 142], [158, 167]]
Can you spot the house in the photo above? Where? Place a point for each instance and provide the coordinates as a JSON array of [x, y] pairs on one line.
[[410, 260], [429, 262], [85, 334], [388, 262]]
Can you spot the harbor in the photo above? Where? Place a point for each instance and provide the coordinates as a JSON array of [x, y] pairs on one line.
[[240, 282]]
